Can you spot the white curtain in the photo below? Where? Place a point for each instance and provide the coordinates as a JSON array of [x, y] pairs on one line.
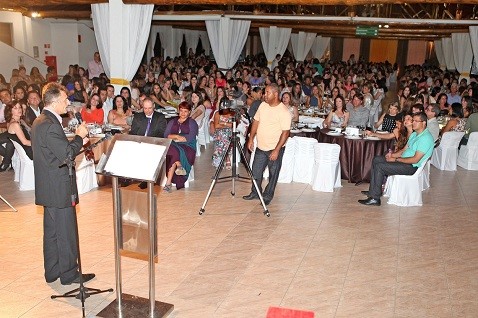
[[135, 37], [320, 46], [274, 41], [447, 47], [462, 53], [171, 40], [301, 44], [227, 38], [100, 14], [205, 42], [474, 42], [192, 38], [440, 55]]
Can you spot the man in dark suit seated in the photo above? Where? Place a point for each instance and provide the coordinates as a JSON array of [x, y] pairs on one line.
[[34, 107], [148, 123], [51, 149]]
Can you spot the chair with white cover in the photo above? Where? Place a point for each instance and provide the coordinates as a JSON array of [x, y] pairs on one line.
[[16, 166], [85, 176], [286, 173], [26, 175], [445, 155], [303, 159], [203, 137], [326, 175], [468, 154], [164, 177], [403, 190]]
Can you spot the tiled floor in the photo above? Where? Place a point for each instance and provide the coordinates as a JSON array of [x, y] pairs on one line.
[[318, 251]]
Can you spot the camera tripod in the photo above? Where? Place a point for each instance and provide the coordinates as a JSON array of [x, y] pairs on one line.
[[234, 144]]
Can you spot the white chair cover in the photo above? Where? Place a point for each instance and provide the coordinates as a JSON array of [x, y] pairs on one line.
[[287, 170], [326, 175], [304, 159], [16, 166], [26, 171], [203, 134], [444, 156], [164, 177], [86, 176], [404, 190], [468, 155]]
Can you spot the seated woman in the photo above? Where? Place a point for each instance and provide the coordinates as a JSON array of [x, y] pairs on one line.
[[119, 114], [93, 113], [183, 131], [403, 129], [222, 133], [458, 119], [17, 129], [293, 110], [388, 120], [339, 116], [315, 99], [198, 111]]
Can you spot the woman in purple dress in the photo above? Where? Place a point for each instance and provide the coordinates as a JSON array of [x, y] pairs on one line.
[[183, 131]]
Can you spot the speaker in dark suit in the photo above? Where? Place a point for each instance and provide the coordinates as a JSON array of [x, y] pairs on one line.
[[148, 123], [51, 149]]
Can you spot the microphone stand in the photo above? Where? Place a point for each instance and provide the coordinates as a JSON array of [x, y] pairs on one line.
[[81, 292]]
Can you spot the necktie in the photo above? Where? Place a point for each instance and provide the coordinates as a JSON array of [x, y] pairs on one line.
[[147, 127]]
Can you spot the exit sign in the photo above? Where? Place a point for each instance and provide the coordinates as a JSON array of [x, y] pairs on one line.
[[366, 31]]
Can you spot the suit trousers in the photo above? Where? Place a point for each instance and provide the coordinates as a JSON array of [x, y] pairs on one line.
[[261, 161], [381, 168], [60, 249]]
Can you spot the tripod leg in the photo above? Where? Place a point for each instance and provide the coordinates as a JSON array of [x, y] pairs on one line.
[[249, 171], [11, 206]]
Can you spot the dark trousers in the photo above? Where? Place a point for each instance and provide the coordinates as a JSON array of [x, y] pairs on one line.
[[381, 168], [60, 251], [6, 148], [261, 161]]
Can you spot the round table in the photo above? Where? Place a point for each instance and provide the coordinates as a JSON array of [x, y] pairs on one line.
[[356, 154]]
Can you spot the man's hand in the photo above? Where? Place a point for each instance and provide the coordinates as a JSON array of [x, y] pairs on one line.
[[274, 155], [389, 158], [250, 145], [81, 130]]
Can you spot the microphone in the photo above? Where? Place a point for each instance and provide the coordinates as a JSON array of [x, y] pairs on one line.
[[78, 117]]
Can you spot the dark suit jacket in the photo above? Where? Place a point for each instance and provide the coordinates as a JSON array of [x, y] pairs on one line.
[[50, 149], [30, 115], [156, 129]]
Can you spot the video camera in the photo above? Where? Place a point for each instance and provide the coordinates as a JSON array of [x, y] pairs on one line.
[[233, 102]]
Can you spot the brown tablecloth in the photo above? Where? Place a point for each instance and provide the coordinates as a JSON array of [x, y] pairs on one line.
[[356, 155]]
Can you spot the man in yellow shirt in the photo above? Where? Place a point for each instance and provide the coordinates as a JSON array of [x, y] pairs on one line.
[[271, 126]]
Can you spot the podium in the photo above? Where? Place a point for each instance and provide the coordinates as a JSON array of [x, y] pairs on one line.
[[134, 214]]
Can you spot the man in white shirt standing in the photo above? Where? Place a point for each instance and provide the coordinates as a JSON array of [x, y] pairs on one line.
[[95, 68]]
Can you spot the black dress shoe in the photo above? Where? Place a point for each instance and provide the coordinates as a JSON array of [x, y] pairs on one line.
[[364, 192], [86, 277], [370, 201], [267, 201], [5, 167], [143, 185], [250, 196]]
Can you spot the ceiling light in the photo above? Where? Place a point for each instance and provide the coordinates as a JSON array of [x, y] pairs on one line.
[[35, 15]]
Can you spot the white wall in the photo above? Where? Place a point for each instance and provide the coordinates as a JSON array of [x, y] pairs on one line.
[[16, 19], [9, 61], [64, 41], [41, 37], [88, 45]]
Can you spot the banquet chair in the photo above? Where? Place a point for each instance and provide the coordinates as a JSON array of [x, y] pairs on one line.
[[303, 159], [404, 190], [445, 154], [16, 166], [203, 137], [26, 176], [86, 176], [468, 154], [164, 177], [326, 174], [286, 173]]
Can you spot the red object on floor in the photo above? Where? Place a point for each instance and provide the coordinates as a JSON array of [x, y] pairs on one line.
[[279, 312]]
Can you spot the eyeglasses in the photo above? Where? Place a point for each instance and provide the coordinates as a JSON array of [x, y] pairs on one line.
[[418, 121]]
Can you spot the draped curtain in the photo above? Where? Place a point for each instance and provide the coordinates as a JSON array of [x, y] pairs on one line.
[[135, 37], [274, 41], [152, 42], [192, 39], [320, 46], [301, 44], [171, 40], [474, 42], [227, 38], [447, 47], [439, 53], [462, 53]]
